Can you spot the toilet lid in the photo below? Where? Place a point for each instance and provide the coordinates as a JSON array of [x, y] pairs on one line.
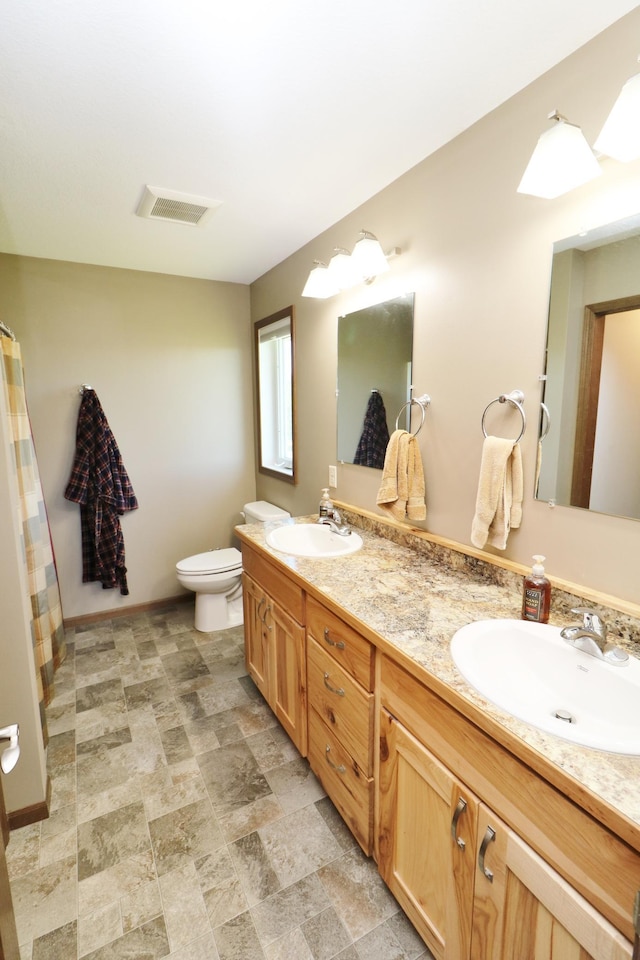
[[213, 561]]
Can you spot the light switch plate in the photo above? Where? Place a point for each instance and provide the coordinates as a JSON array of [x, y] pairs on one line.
[[333, 477]]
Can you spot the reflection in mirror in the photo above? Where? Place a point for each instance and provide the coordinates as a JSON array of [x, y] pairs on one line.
[[275, 390], [590, 456], [374, 378]]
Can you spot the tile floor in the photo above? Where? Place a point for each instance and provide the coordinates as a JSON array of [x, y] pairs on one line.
[[184, 824]]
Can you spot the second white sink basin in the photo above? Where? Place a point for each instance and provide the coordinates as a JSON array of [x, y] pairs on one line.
[[312, 540], [530, 671]]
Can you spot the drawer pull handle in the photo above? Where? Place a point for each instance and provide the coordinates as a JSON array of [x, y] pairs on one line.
[[339, 644], [337, 690], [489, 836], [334, 766], [460, 808]]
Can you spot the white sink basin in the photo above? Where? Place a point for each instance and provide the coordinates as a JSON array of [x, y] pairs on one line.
[[312, 540], [530, 671]]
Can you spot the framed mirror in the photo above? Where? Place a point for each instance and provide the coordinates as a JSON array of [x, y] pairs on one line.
[[274, 354], [374, 378], [589, 448]]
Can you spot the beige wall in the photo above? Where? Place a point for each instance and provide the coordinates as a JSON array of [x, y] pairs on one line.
[[170, 360], [478, 256]]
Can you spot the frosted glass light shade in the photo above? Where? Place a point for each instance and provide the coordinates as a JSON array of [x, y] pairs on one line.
[[342, 270], [368, 256], [620, 136], [561, 161], [319, 284]]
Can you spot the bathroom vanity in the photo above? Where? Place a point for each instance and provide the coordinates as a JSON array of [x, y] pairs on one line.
[[498, 840]]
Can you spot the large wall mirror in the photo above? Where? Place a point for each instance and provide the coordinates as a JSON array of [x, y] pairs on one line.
[[589, 450], [274, 352], [374, 378]]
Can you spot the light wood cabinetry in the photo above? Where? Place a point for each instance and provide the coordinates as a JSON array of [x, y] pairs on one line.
[[478, 840], [274, 643], [429, 870], [340, 676], [522, 908], [471, 884]]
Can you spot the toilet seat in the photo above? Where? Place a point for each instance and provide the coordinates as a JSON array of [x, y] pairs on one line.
[[227, 560]]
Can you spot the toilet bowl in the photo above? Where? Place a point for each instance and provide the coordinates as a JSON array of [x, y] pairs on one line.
[[216, 576], [216, 579]]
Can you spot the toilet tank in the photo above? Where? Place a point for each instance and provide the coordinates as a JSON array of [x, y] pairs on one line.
[[260, 511]]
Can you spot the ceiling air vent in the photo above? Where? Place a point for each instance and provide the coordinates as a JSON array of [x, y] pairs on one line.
[[160, 204]]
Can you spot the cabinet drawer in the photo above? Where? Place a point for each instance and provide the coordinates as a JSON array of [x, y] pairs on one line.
[[342, 703], [283, 590], [346, 646], [345, 782]]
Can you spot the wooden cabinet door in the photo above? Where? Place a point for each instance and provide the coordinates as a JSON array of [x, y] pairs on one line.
[[427, 841], [256, 639], [524, 910], [287, 673]]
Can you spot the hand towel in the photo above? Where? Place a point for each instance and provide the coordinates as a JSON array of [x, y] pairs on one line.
[[402, 490], [500, 489]]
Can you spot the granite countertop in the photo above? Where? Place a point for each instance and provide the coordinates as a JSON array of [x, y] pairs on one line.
[[416, 602]]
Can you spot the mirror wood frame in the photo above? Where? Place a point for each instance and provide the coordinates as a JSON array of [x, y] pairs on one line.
[[259, 327]]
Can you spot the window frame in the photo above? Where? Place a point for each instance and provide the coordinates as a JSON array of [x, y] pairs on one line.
[[281, 401]]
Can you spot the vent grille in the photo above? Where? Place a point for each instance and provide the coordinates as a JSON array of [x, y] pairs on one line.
[[159, 204]]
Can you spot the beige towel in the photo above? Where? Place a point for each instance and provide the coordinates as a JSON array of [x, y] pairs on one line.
[[499, 500], [402, 490]]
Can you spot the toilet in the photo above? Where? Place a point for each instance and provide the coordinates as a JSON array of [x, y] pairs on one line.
[[216, 576]]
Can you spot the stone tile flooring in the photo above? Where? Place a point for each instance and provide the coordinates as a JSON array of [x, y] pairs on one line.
[[184, 824]]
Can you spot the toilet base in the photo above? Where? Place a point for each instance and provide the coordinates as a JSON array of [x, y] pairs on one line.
[[215, 612]]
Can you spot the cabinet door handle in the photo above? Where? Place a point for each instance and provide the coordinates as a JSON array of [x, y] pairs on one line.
[[269, 626], [337, 690], [260, 608], [334, 766], [339, 644], [460, 808], [489, 836]]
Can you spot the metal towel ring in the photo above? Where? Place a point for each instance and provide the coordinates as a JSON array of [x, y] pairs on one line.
[[515, 397], [545, 424], [423, 402]]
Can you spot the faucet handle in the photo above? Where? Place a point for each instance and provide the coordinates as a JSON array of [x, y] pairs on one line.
[[591, 620]]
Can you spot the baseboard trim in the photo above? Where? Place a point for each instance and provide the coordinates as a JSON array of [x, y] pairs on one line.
[[32, 814], [127, 611]]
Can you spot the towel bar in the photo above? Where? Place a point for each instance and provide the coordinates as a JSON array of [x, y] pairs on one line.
[[515, 397]]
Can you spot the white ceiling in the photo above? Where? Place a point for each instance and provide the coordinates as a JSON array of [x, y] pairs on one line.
[[290, 113]]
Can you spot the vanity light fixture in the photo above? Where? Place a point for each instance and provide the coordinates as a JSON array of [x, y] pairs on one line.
[[342, 269], [345, 270], [620, 135], [368, 256], [319, 283], [561, 161]]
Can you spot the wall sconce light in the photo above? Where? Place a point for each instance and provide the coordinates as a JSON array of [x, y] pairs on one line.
[[345, 270], [620, 135], [10, 754], [561, 161]]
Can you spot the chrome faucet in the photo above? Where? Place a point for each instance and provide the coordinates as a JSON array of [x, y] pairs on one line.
[[590, 636], [335, 524]]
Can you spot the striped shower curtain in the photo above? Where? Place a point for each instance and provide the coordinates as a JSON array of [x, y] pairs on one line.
[[46, 609]]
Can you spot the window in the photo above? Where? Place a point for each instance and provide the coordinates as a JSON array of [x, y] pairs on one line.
[[275, 378]]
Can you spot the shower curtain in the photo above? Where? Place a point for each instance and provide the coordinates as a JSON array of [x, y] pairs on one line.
[[46, 609]]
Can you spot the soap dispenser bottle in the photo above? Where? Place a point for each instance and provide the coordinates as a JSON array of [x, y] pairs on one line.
[[536, 593], [325, 508]]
